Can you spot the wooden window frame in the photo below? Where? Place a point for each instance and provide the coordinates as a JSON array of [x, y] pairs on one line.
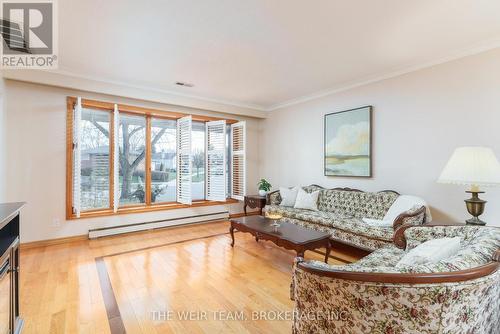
[[135, 208]]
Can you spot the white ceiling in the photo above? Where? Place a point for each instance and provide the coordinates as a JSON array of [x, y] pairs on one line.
[[264, 53]]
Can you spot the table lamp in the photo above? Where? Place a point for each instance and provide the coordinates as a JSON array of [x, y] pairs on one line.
[[476, 167]]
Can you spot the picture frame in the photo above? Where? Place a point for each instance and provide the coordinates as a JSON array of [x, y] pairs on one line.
[[348, 143]]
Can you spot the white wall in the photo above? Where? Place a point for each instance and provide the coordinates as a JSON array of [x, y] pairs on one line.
[[419, 118], [36, 119]]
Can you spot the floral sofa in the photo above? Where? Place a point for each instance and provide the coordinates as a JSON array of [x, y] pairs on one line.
[[341, 211], [460, 294]]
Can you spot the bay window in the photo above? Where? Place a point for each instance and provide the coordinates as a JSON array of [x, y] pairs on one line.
[[125, 159]]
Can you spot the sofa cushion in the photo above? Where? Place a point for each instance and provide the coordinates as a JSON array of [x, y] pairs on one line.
[[356, 240], [333, 220], [388, 256], [318, 217], [359, 241], [382, 259], [356, 203], [359, 227]]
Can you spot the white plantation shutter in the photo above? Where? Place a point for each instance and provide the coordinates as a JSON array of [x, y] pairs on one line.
[[184, 127], [216, 160], [77, 157], [116, 160], [238, 168]]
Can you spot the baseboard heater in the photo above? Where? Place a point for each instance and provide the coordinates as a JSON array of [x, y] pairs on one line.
[[152, 225]]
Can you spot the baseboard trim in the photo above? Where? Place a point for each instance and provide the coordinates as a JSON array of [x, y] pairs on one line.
[[157, 224], [52, 242], [83, 237]]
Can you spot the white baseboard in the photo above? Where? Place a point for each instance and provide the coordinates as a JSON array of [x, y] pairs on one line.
[[107, 231]]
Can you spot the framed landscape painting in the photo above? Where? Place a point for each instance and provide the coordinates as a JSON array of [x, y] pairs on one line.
[[348, 137]]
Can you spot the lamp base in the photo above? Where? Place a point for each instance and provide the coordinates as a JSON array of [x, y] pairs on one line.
[[475, 206], [475, 221]]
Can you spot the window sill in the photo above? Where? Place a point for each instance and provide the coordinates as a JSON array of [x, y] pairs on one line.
[[144, 208]]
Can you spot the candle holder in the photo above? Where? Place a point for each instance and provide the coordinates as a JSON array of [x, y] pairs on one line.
[[275, 217]]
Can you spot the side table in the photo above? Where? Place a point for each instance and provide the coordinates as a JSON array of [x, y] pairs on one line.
[[254, 201]]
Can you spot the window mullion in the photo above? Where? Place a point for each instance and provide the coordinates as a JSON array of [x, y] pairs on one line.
[[115, 157], [77, 158], [147, 185], [111, 142]]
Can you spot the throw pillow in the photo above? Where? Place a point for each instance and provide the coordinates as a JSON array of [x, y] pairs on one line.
[[431, 251], [404, 203], [288, 196], [308, 201]]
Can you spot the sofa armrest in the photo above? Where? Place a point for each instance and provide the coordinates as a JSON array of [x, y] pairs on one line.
[[411, 217], [418, 233], [391, 275], [496, 256], [273, 198]]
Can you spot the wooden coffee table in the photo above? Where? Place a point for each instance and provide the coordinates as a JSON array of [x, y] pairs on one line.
[[288, 235]]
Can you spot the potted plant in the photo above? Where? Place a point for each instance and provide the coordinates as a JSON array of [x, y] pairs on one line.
[[264, 187]]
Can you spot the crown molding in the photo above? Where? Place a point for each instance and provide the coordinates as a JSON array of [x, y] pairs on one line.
[[67, 79], [476, 49]]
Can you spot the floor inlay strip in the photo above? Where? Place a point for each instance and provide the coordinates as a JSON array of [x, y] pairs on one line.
[[115, 320], [116, 325], [166, 244]]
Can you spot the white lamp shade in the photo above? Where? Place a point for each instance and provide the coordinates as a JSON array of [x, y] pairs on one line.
[[475, 166]]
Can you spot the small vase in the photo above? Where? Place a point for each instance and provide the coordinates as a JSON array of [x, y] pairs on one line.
[[262, 193]]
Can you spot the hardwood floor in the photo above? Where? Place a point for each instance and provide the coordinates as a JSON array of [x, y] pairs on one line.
[[149, 282]]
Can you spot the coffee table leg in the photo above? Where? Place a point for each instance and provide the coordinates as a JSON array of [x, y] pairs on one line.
[[327, 253], [300, 253], [231, 231]]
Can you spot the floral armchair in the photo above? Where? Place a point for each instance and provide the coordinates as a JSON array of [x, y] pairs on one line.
[[457, 295]]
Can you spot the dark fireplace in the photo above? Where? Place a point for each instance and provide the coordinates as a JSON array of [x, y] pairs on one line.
[[10, 320], [5, 283]]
